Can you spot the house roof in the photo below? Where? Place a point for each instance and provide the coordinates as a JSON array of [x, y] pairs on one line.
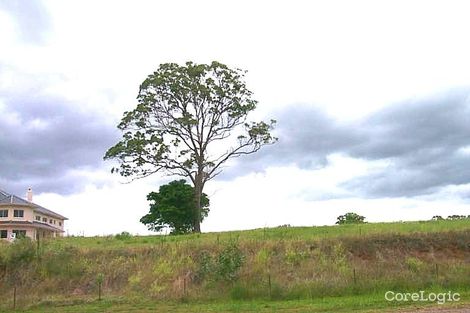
[[6, 198], [34, 223]]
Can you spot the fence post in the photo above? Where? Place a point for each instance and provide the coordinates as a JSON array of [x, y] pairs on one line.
[[14, 298], [269, 285]]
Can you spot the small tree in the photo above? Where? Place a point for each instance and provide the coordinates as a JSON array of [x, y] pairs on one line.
[[173, 207], [99, 282], [350, 218], [189, 121]]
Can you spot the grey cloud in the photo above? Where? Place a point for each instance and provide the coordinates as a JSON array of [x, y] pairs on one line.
[[434, 126], [31, 18], [420, 140], [306, 137], [46, 141]]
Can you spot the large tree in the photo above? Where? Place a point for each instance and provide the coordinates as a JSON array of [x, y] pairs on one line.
[[173, 207], [189, 120]]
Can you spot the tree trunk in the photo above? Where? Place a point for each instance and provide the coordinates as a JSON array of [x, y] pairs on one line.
[[197, 198]]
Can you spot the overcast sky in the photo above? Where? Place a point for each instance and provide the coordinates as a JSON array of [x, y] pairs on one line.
[[372, 100]]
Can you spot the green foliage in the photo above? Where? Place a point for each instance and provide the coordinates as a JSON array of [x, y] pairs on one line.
[[222, 267], [332, 259], [99, 278], [182, 109], [414, 265], [205, 267], [174, 207], [21, 251], [182, 112], [458, 217], [123, 236], [18, 257], [229, 262], [263, 257], [61, 260], [294, 257], [99, 283], [350, 218]]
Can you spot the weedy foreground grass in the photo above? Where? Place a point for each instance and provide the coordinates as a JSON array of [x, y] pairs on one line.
[[300, 268]]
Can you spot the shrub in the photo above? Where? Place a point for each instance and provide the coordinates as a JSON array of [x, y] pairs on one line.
[[224, 267], [457, 217], [350, 218], [414, 265], [204, 266], [294, 257], [123, 236], [229, 262]]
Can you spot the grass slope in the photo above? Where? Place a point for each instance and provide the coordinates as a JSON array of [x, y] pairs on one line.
[[284, 233], [291, 269]]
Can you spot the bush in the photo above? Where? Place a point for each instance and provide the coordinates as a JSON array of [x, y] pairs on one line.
[[457, 217], [229, 262], [123, 236], [224, 267], [414, 265], [21, 251], [294, 257], [205, 267], [350, 218]]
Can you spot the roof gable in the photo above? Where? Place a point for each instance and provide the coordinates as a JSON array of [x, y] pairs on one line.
[[6, 198]]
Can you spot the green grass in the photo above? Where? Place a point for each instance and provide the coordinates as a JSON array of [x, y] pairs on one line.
[[291, 269], [278, 233], [358, 303]]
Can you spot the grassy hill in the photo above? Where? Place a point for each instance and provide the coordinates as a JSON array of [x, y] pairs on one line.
[[315, 268]]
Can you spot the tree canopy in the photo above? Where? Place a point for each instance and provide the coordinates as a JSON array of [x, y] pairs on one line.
[[189, 120], [173, 207], [350, 218]]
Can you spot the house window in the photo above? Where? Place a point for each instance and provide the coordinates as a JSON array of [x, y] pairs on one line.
[[60, 223], [3, 213], [3, 233], [44, 219], [19, 233], [50, 221], [38, 218], [54, 222], [18, 213]]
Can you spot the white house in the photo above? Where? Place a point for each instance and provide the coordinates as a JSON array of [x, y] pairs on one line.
[[20, 217]]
